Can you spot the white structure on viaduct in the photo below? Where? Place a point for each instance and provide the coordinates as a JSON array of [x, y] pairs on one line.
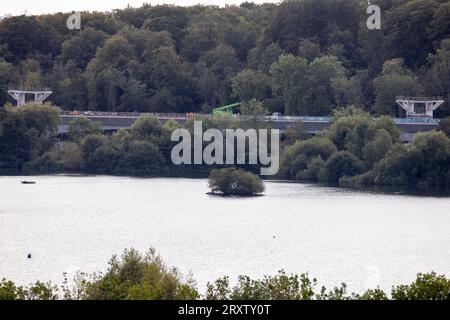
[[419, 106], [19, 96]]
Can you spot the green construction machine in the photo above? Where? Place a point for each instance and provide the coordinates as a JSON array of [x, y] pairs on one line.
[[226, 110]]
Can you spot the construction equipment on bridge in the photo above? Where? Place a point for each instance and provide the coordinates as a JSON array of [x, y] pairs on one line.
[[19, 96], [419, 107], [226, 110]]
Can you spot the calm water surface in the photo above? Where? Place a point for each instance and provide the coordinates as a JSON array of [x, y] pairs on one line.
[[71, 223]]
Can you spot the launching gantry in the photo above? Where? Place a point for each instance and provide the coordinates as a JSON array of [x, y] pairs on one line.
[[19, 96], [419, 106]]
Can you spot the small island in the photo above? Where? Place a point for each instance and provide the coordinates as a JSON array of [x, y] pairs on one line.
[[235, 182]]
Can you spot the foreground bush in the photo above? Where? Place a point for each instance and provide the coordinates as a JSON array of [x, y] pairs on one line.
[[134, 277], [37, 291], [145, 277], [231, 181]]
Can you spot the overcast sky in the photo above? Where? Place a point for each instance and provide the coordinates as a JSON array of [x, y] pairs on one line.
[[17, 7]]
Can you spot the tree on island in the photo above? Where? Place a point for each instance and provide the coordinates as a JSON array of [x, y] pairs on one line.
[[232, 181]]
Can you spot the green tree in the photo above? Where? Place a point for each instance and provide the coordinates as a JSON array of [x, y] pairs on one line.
[[142, 157], [290, 83], [69, 87], [200, 37], [137, 276], [394, 81], [223, 64], [37, 291], [396, 168], [25, 36], [428, 286], [313, 170], [89, 145], [348, 132], [437, 79], [270, 55], [147, 128], [423, 163], [170, 82], [30, 75], [7, 79], [341, 164], [26, 133], [403, 22], [309, 50], [253, 108], [69, 156], [444, 126], [81, 48], [79, 128], [296, 157], [375, 150], [440, 25], [249, 84], [324, 73]]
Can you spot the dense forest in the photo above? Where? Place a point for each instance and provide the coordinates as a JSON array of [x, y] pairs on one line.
[[302, 57]]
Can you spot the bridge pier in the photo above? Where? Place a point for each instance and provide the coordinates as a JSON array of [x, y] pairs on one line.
[[409, 105], [19, 96]]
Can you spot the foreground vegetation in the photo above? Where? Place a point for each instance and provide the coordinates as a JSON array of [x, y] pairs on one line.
[[136, 276]]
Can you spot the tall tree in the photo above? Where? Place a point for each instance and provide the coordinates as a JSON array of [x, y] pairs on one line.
[[394, 80]]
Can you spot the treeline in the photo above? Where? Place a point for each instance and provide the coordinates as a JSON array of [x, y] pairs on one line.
[[302, 57], [356, 150], [136, 276], [360, 150], [29, 143]]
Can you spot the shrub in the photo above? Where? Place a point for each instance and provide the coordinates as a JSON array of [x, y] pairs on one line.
[[136, 277], [232, 181], [428, 286], [312, 171], [37, 291], [47, 163], [424, 162], [82, 127], [297, 156], [341, 164], [142, 157]]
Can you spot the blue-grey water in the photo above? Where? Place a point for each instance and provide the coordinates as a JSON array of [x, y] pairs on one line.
[[364, 239]]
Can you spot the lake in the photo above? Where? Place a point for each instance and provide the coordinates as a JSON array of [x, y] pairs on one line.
[[364, 239]]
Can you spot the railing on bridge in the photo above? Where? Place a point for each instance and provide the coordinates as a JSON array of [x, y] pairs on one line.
[[409, 120], [416, 120], [128, 114], [300, 118]]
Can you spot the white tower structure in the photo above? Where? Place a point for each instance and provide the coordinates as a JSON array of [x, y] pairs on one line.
[[19, 96], [411, 104]]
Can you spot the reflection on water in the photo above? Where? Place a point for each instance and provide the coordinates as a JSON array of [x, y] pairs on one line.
[[429, 191], [362, 238]]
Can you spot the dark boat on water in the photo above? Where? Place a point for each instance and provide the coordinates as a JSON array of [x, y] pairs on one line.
[[28, 182]]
